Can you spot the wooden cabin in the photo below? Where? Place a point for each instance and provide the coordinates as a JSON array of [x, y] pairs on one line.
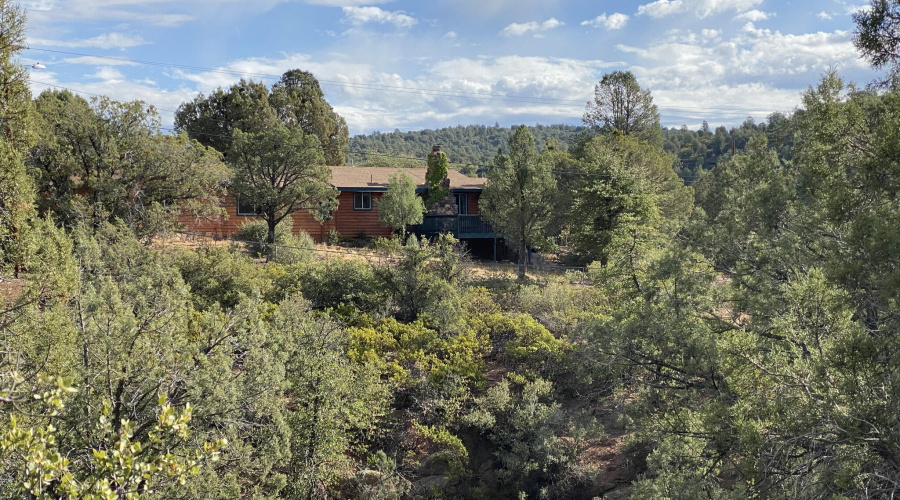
[[357, 212]]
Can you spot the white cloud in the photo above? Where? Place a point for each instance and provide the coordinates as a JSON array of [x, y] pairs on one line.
[[104, 41], [450, 35], [825, 15], [709, 34], [121, 89], [754, 16], [358, 16], [722, 104], [34, 5], [445, 92], [854, 8], [108, 74], [345, 3], [613, 21], [701, 8], [99, 61], [751, 55], [519, 29], [101, 10]]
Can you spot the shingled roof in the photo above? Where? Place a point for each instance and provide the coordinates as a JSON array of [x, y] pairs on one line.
[[376, 178]]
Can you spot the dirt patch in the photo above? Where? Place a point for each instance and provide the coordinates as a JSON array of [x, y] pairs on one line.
[[606, 456], [494, 373], [10, 290]]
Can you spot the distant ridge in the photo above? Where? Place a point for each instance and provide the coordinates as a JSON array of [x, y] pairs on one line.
[[465, 145]]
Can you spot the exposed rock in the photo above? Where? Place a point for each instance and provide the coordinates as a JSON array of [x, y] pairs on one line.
[[445, 206]]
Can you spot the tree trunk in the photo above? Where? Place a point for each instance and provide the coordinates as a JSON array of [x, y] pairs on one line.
[[522, 258], [270, 239]]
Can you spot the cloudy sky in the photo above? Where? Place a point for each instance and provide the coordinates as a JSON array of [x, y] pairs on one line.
[[406, 64]]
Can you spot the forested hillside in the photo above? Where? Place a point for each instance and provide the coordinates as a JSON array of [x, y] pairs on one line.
[[474, 145], [737, 337], [701, 150]]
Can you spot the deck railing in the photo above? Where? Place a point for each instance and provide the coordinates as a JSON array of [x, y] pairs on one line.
[[457, 225]]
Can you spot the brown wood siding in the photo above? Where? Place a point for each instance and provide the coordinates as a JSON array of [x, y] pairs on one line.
[[229, 223], [349, 222], [223, 226], [473, 203]]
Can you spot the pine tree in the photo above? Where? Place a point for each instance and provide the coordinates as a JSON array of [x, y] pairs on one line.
[[518, 199], [16, 189]]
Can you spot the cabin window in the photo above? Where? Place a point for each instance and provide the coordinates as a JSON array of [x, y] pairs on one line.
[[462, 203], [245, 207], [362, 201]]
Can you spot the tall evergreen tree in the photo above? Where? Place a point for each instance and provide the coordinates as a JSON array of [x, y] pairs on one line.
[[878, 34], [295, 101], [518, 199], [298, 100], [280, 171], [16, 188]]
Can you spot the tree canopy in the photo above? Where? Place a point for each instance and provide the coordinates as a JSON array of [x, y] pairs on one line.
[[620, 104], [279, 171], [877, 34], [105, 160], [517, 200], [399, 206], [295, 101], [735, 338], [16, 190]]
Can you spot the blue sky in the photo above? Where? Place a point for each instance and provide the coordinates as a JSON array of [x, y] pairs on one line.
[[409, 65]]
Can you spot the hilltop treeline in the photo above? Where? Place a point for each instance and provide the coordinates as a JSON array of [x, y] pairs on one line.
[[703, 149], [473, 147]]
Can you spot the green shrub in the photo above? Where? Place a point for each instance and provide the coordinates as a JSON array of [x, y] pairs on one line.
[[523, 422], [220, 275], [333, 237], [334, 282], [294, 249], [520, 341], [288, 249], [388, 246], [253, 235], [361, 240], [425, 281], [400, 349]]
